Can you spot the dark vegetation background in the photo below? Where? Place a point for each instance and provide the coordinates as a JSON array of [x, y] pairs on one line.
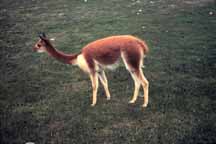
[[46, 102]]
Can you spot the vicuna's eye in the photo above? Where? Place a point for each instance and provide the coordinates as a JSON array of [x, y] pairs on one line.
[[38, 45]]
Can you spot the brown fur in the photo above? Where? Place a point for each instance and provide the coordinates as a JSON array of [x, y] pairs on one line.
[[105, 52], [108, 50]]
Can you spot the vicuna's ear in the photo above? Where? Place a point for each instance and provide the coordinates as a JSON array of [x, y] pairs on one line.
[[42, 35]]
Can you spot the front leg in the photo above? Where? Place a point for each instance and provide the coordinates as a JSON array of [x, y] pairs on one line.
[[94, 81], [104, 82]]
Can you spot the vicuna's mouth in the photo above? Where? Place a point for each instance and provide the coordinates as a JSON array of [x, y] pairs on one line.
[[37, 50], [34, 49]]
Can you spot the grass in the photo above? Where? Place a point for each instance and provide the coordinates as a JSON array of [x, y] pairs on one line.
[[44, 101]]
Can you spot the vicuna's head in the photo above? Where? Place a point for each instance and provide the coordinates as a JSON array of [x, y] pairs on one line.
[[41, 44]]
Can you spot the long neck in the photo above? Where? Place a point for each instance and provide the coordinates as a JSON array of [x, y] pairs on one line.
[[65, 58]]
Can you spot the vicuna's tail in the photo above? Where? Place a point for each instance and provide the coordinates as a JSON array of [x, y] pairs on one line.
[[144, 46]]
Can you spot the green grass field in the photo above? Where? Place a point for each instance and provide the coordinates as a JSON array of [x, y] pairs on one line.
[[47, 102]]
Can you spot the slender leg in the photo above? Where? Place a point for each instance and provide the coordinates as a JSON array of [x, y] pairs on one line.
[[135, 78], [145, 85], [137, 87], [104, 82], [94, 80], [133, 62]]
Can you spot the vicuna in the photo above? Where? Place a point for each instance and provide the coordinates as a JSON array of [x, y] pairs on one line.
[[102, 53]]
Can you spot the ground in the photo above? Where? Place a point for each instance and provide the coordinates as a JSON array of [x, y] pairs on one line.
[[45, 101]]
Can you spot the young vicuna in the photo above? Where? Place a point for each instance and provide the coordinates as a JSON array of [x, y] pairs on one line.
[[102, 53]]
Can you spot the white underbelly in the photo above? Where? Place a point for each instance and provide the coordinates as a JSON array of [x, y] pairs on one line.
[[109, 66], [82, 64]]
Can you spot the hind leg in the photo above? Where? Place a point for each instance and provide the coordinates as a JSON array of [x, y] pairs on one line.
[[133, 61], [139, 78], [132, 67], [145, 85], [137, 87], [104, 82]]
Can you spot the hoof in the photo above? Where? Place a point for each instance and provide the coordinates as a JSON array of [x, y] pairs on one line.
[[131, 102], [144, 105], [92, 105], [108, 98]]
